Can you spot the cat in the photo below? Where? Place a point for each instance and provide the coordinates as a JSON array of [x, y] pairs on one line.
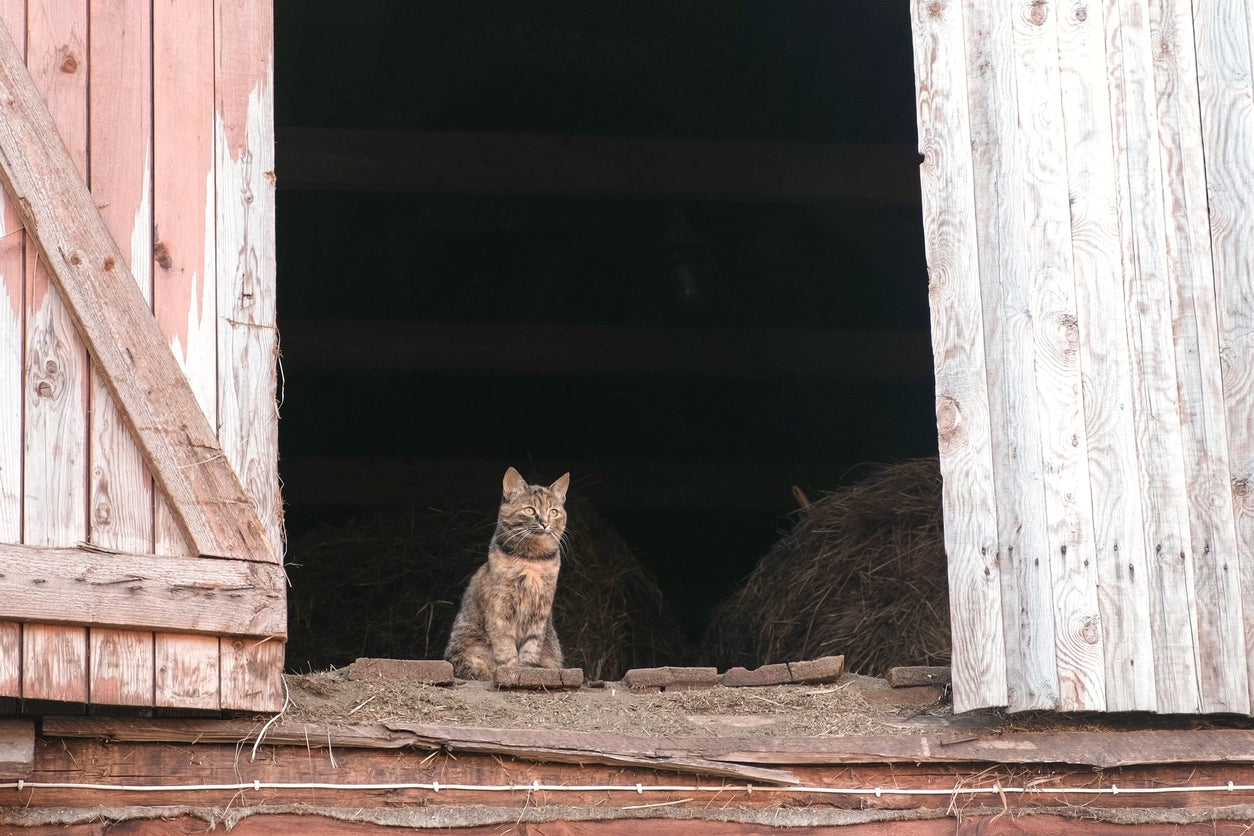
[[506, 613]]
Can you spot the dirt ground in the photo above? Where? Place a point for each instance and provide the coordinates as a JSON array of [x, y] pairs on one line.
[[854, 705]]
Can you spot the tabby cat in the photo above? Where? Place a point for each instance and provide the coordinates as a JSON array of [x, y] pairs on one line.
[[506, 614]]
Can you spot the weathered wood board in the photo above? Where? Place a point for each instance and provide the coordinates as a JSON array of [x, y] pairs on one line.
[[1097, 324], [137, 368]]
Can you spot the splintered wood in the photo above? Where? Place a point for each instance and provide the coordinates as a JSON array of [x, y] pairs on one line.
[[1086, 195]]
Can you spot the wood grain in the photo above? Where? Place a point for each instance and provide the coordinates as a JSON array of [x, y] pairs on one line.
[[1212, 548], [10, 659], [1224, 38], [184, 261], [55, 459], [1155, 408], [72, 586], [252, 674], [1002, 234], [187, 672], [962, 403], [12, 341], [248, 346], [120, 137], [1089, 749], [1119, 548], [121, 664], [54, 663], [1046, 268], [179, 445]]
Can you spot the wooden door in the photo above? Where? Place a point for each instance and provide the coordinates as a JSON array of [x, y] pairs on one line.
[[139, 500]]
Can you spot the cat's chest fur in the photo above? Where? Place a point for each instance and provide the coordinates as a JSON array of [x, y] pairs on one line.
[[530, 583]]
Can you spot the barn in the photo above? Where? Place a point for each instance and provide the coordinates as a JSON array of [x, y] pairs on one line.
[[282, 273]]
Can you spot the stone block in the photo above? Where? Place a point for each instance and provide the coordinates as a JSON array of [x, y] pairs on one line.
[[424, 671], [777, 674], [827, 669], [678, 678], [517, 676]]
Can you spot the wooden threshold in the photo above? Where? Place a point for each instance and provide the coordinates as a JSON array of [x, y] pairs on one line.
[[1092, 749], [344, 159], [143, 592]]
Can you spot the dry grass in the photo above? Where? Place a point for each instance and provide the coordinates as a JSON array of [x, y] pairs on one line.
[[388, 585], [862, 573]]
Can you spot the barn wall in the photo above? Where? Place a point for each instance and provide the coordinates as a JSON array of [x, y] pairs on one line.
[[166, 110], [1087, 180]]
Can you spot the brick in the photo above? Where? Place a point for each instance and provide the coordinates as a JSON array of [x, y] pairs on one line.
[[827, 669], [671, 677], [906, 677], [911, 697], [425, 671], [777, 674], [517, 676]]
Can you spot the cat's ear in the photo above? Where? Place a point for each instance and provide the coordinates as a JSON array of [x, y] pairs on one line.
[[513, 482], [559, 487]]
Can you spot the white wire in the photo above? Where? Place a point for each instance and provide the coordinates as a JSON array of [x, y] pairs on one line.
[[258, 785]]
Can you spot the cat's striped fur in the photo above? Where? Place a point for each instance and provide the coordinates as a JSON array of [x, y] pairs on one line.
[[506, 614]]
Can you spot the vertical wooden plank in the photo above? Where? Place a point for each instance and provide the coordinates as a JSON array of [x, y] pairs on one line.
[[184, 275], [1212, 546], [252, 674], [55, 483], [187, 672], [10, 659], [54, 663], [121, 499], [247, 338], [12, 333], [121, 667], [1155, 409], [1044, 265], [12, 380], [121, 182], [1000, 232], [1224, 35], [1119, 530], [979, 651]]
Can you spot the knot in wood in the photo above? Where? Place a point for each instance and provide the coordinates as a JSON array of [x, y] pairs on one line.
[[1039, 13], [1081, 14], [69, 62]]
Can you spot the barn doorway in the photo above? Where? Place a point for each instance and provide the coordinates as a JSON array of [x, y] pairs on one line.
[[673, 247]]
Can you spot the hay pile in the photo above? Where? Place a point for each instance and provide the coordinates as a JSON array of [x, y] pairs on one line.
[[862, 573], [388, 584]]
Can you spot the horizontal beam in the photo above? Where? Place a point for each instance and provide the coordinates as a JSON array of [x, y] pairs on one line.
[[373, 480], [601, 349], [142, 591], [340, 159]]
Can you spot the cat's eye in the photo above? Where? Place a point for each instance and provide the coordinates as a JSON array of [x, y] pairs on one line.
[[553, 512], [529, 511]]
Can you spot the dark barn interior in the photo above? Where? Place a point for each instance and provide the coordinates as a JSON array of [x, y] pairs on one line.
[[673, 247]]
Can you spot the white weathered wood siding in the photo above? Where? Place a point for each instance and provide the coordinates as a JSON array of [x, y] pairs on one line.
[[1088, 199], [165, 109]]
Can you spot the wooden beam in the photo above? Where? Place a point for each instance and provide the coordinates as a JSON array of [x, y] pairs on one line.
[[338, 159], [131, 355], [602, 349], [377, 480], [143, 592], [1101, 749]]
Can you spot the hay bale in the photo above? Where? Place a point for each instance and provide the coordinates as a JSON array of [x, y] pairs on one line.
[[861, 573], [388, 584]]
